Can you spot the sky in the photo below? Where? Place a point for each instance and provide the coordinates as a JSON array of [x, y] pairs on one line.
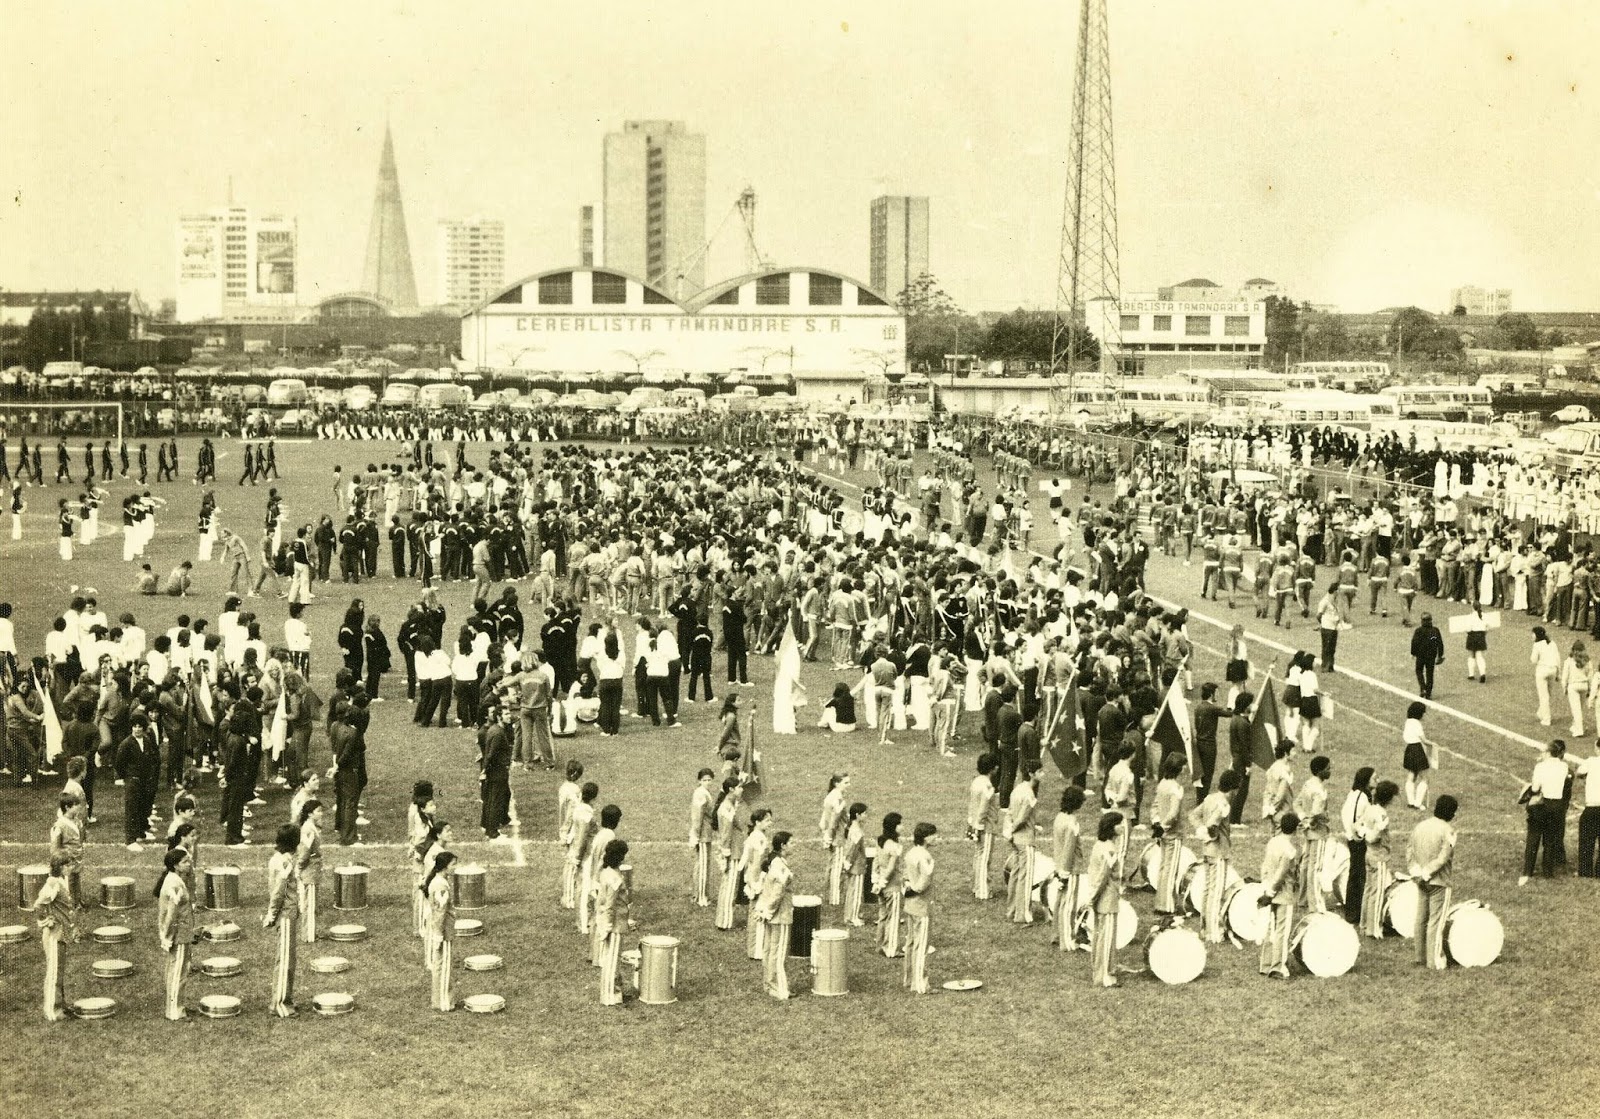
[[1363, 154]]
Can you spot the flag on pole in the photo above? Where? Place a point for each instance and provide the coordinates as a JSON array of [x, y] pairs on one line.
[[1174, 730], [1066, 739], [788, 678], [750, 763], [52, 724], [1265, 727]]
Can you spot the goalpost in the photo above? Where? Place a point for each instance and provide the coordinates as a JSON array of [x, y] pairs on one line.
[[41, 424]]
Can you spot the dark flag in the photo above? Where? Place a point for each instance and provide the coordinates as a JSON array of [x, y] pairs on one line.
[[1265, 727], [1068, 744], [1174, 730]]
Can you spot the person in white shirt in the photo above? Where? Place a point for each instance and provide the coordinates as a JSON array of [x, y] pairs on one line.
[[297, 638], [1589, 818], [8, 640], [1546, 661], [1546, 820]]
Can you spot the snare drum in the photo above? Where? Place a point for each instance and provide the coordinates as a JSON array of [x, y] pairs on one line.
[[221, 967], [112, 934], [111, 969], [1194, 889], [13, 934], [1326, 944], [330, 965], [807, 919], [483, 963], [468, 926], [484, 1004], [116, 893], [829, 956], [1473, 934], [1400, 905], [1175, 955], [94, 1008], [350, 887], [1248, 919], [30, 880], [219, 1006], [1127, 925], [334, 1002], [467, 888], [222, 888], [347, 934], [658, 970], [223, 933]]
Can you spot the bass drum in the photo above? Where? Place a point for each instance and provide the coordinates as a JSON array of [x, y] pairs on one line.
[[1127, 924], [1175, 955], [1473, 935], [1335, 870], [1045, 887], [1248, 919], [1327, 945], [1194, 886], [1400, 904], [1150, 864]]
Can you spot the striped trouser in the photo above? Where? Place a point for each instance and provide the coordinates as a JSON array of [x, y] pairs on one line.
[[283, 973], [914, 973], [1167, 877], [981, 857], [610, 963], [1066, 911], [419, 905], [854, 887], [177, 972], [1213, 920], [569, 881], [754, 933], [597, 942], [1433, 903], [775, 958], [1275, 945], [584, 900], [1103, 949], [444, 975], [836, 876], [55, 991], [1311, 895], [702, 873], [1123, 839], [308, 910], [1372, 895], [1022, 887], [727, 891], [889, 902]]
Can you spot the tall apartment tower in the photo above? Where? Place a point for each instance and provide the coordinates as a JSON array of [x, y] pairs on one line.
[[586, 236], [472, 261], [899, 242], [232, 260], [654, 203]]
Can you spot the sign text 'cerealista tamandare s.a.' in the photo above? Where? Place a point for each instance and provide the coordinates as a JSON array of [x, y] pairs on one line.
[[680, 323]]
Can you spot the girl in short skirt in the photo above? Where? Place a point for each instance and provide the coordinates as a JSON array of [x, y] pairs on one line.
[[1419, 756], [1477, 645]]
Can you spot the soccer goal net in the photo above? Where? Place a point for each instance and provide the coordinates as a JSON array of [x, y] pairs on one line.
[[43, 424]]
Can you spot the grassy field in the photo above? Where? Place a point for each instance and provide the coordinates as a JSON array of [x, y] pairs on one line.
[[1512, 1039]]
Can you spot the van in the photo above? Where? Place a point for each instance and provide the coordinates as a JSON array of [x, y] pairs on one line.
[[358, 398], [288, 392], [398, 394], [443, 396]]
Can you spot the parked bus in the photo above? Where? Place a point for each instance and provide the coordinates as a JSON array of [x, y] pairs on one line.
[[1155, 399], [443, 396], [1442, 402], [287, 392], [1316, 408], [1350, 376]]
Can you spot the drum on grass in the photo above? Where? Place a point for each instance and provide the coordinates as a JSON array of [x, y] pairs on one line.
[[658, 970], [13, 934], [1194, 886], [350, 888], [223, 933], [94, 1008], [483, 963], [1400, 904], [112, 934], [30, 880], [221, 967], [1150, 861], [219, 1006], [334, 1002], [484, 1004], [116, 893], [829, 955], [468, 926], [111, 969], [467, 887], [330, 965], [807, 919], [347, 934], [222, 888], [1473, 934], [1127, 924], [1248, 919], [1175, 955], [1326, 944]]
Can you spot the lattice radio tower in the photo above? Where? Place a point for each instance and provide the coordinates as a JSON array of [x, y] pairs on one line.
[[1088, 267]]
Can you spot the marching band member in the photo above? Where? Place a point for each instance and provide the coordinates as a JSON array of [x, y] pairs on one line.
[[1121, 794], [1280, 866], [756, 845], [888, 882], [1065, 835], [1375, 831], [918, 892], [308, 859], [1019, 830], [1431, 858], [580, 827], [58, 921], [66, 844], [776, 907], [982, 817], [419, 837], [175, 922], [730, 843], [1214, 817], [610, 818], [854, 858], [283, 890], [441, 931], [1351, 812], [1164, 826], [611, 919], [436, 840], [1102, 895], [702, 826], [1278, 795], [1311, 805], [831, 827]]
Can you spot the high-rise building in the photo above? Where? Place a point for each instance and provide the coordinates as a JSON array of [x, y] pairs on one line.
[[586, 236], [388, 273], [472, 261], [1481, 301], [654, 204], [899, 243], [231, 260]]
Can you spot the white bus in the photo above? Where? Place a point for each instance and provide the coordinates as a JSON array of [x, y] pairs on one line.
[[1351, 376], [287, 392], [1318, 408], [1153, 399], [1471, 403]]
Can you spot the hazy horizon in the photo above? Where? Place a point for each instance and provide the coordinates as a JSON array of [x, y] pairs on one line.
[[1360, 154]]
